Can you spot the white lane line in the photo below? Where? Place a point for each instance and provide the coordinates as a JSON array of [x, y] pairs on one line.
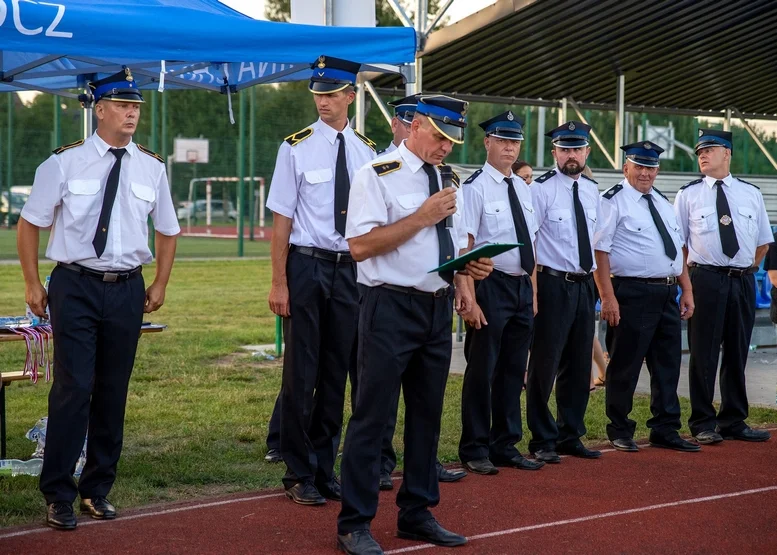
[[144, 515], [595, 517]]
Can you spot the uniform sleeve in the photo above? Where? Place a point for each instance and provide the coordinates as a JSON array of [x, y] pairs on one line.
[[681, 213], [47, 192], [163, 215], [606, 224], [539, 202], [284, 188], [473, 208], [366, 204], [765, 235]]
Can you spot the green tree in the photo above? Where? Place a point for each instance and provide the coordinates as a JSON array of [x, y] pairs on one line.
[[280, 10]]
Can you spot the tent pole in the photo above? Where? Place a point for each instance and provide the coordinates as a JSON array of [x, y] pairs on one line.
[[153, 146], [251, 163], [420, 24], [241, 173], [620, 120], [55, 142], [9, 156], [360, 114]]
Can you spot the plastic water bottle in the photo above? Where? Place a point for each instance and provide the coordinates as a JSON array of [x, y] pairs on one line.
[[15, 467]]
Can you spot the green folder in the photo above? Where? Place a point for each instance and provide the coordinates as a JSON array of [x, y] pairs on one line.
[[489, 250]]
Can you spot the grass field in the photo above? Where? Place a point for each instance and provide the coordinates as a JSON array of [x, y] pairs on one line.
[[188, 247], [198, 408]]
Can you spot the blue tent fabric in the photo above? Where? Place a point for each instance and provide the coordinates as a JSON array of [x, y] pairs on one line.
[[46, 46]]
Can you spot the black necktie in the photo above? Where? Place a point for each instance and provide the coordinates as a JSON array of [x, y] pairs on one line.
[[728, 236], [443, 236], [342, 187], [583, 240], [521, 229], [669, 248], [111, 186]]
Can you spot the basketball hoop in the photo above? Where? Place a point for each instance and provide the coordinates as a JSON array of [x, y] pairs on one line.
[[192, 156]]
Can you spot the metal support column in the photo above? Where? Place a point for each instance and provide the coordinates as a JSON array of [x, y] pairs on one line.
[[727, 120], [541, 136], [620, 121], [55, 134], [562, 111], [9, 155], [360, 105]]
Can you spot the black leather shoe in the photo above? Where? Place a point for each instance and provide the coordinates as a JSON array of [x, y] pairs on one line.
[[330, 490], [60, 515], [444, 475], [625, 444], [520, 462], [578, 450], [748, 434], [708, 437], [99, 508], [481, 466], [430, 531], [358, 542], [386, 484], [674, 442], [305, 493], [273, 456], [547, 456]]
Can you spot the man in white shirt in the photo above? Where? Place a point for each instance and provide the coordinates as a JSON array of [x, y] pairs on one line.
[[97, 195], [314, 281], [499, 328], [566, 205], [639, 242], [727, 235], [397, 232]]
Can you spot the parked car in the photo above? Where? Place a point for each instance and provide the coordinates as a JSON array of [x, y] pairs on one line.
[[216, 210], [17, 202]]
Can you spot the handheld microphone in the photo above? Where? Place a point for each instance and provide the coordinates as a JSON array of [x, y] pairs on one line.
[[446, 174]]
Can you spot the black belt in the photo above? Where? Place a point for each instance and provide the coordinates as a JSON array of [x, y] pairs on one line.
[[728, 270], [110, 277], [442, 292], [569, 276], [670, 280], [323, 254]]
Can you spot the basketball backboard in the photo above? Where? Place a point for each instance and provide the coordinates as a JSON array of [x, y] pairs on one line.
[[191, 151]]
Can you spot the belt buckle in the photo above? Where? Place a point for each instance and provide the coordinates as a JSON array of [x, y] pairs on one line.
[[110, 277], [339, 256], [670, 280], [441, 292], [735, 272], [566, 277]]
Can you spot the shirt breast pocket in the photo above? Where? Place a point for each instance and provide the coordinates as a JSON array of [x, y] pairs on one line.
[[703, 220], [408, 204], [142, 200], [531, 220], [318, 187], [748, 215], [82, 198], [560, 223], [497, 215]]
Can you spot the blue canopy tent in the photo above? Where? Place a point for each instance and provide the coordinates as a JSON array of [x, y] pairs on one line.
[[57, 45]]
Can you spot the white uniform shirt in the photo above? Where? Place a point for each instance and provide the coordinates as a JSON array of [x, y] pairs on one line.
[[489, 218], [695, 206], [303, 184], [628, 233], [67, 194], [554, 211], [390, 148], [383, 200]]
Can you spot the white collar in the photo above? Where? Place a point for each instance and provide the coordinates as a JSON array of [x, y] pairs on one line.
[[413, 162], [634, 193], [495, 174], [567, 180], [329, 132], [103, 147], [710, 181]]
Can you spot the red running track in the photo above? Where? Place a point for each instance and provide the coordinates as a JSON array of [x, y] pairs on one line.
[[721, 500]]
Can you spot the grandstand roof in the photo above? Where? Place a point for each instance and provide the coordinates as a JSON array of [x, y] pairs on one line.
[[686, 56]]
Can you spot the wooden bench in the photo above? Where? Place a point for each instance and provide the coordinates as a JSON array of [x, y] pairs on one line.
[[6, 378]]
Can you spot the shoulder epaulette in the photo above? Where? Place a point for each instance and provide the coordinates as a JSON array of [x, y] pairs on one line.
[[63, 148], [661, 194], [384, 168], [151, 153], [612, 191], [694, 182], [456, 178], [545, 176], [299, 136], [753, 184], [366, 140], [473, 177], [381, 151], [588, 178]]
